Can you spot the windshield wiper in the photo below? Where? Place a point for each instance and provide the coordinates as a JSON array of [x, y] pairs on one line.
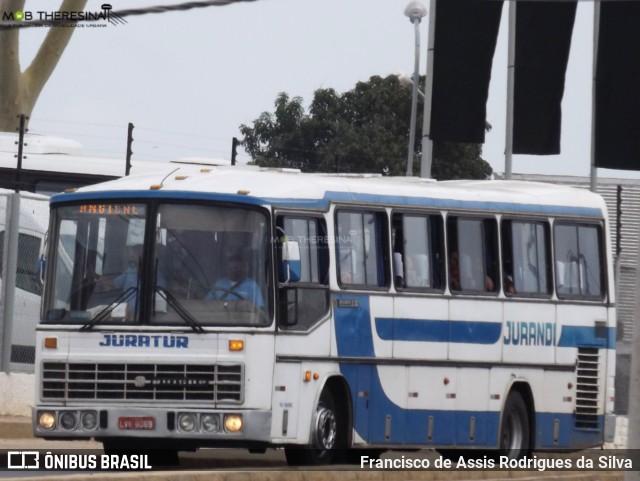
[[103, 313], [182, 312]]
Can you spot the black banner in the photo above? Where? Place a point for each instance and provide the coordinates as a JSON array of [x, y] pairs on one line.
[[543, 41], [617, 109], [466, 33]]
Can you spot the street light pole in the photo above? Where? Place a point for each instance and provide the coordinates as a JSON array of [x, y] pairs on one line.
[[415, 11]]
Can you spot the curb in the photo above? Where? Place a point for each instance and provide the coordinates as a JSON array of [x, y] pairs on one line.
[[15, 427]]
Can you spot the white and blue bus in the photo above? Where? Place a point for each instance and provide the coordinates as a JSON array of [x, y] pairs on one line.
[[365, 312]]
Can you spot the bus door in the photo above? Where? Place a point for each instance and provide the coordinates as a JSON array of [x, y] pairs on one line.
[[303, 315]]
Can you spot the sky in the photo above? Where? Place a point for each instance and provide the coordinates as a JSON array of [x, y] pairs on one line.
[[188, 80]]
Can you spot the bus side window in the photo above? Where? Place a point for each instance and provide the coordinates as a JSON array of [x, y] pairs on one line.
[[361, 249], [305, 301], [417, 251], [27, 274], [526, 258], [578, 256], [473, 254]]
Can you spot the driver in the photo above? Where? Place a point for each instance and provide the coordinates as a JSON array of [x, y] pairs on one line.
[[236, 285]]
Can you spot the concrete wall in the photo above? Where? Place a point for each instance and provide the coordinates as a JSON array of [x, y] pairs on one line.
[[17, 393]]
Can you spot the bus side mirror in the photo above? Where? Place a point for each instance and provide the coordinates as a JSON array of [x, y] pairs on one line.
[[291, 266]]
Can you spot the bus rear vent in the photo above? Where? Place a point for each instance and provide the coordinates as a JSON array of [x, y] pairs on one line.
[[588, 388]]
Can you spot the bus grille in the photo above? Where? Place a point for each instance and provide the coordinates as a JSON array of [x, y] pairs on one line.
[[587, 389], [154, 382]]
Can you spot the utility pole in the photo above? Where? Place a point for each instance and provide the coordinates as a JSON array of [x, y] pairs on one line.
[[10, 264], [127, 169], [234, 150]]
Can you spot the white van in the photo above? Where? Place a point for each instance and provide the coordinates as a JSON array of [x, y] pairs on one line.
[[34, 221]]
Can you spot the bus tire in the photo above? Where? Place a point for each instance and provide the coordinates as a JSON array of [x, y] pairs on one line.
[[514, 428], [327, 436]]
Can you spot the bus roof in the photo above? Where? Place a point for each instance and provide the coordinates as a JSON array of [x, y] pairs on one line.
[[290, 187]]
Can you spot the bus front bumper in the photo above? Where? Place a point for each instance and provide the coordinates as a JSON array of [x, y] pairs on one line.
[[152, 422], [609, 428]]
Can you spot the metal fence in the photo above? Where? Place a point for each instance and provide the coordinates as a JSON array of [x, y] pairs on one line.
[[21, 258]]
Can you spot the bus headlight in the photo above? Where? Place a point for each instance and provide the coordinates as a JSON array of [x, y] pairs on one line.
[[46, 420], [210, 423], [89, 420], [187, 422], [233, 423], [68, 420]]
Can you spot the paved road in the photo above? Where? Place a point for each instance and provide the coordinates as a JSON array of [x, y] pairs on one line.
[[240, 465]]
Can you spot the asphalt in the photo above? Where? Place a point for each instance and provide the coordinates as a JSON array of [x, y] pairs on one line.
[[19, 429]]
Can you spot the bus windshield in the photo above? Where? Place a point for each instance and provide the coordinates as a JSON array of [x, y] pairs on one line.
[[159, 264]]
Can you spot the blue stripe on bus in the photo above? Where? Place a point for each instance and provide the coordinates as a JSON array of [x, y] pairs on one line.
[[581, 336], [471, 332], [369, 199], [474, 332], [155, 194], [379, 420]]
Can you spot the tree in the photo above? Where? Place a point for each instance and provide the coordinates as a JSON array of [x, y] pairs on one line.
[[19, 90], [363, 130]]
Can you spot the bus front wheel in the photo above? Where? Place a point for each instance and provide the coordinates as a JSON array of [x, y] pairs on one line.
[[514, 428], [326, 436]]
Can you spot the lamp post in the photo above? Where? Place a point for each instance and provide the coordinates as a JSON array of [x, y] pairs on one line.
[[415, 11]]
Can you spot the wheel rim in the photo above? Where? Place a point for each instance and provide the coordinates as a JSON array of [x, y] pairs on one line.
[[513, 433], [326, 428]]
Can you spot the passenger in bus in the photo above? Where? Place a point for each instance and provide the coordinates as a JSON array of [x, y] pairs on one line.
[[509, 287], [346, 266], [127, 281], [489, 285], [129, 277], [416, 271], [454, 271], [236, 285], [454, 275]]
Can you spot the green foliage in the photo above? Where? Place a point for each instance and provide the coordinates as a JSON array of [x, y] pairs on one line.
[[363, 130]]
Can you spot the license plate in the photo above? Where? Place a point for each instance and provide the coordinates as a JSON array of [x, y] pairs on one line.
[[136, 423]]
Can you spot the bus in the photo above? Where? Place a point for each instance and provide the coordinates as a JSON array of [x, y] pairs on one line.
[[371, 313]]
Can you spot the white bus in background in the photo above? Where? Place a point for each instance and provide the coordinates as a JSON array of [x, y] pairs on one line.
[[34, 220], [392, 313]]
